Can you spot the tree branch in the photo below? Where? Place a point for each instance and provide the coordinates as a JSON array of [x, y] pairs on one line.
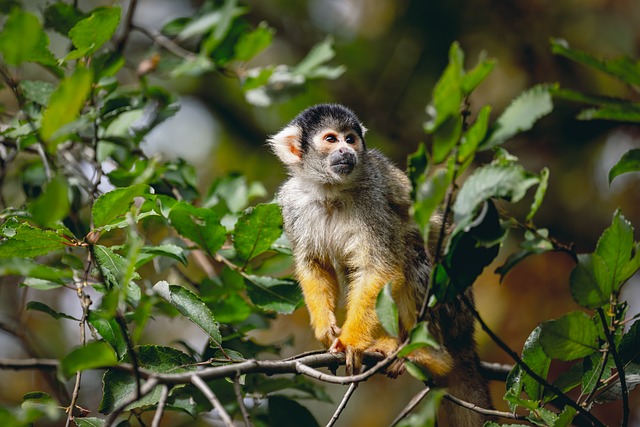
[[343, 404], [411, 405], [157, 417], [243, 409], [210, 395]]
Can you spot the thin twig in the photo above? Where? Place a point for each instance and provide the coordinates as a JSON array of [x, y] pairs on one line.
[[619, 367], [211, 397], [483, 411], [411, 406], [157, 417], [128, 25], [343, 404], [165, 42], [243, 409]]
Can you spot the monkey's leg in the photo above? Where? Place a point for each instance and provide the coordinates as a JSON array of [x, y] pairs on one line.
[[320, 288], [361, 325]]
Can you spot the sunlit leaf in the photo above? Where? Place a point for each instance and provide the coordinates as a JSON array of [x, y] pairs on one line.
[[540, 192], [536, 359], [110, 331], [96, 354], [28, 268], [570, 337], [110, 206], [521, 114], [616, 247], [476, 133], [256, 230], [447, 93], [252, 43], [26, 241], [202, 226], [91, 33]]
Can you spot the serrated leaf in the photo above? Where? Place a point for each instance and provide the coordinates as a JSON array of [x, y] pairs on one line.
[[387, 310], [23, 40], [29, 268], [279, 295], [624, 68], [110, 331], [256, 230], [61, 17], [251, 43], [119, 386], [91, 33], [318, 55], [96, 354], [629, 162], [477, 75], [111, 206], [202, 226], [507, 181], [26, 241], [521, 114], [53, 204], [192, 307], [65, 104], [446, 137], [616, 246], [589, 283], [570, 337], [112, 265], [44, 308]]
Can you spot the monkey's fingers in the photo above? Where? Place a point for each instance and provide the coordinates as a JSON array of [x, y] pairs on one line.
[[353, 362], [337, 347]]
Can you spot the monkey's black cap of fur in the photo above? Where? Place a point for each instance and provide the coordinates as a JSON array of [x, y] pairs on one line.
[[322, 116]]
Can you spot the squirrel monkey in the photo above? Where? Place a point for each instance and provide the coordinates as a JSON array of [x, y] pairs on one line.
[[346, 213]]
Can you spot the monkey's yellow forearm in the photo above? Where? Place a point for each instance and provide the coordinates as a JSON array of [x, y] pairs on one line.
[[320, 289]]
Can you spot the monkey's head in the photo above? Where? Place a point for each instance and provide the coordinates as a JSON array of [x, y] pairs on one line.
[[324, 143]]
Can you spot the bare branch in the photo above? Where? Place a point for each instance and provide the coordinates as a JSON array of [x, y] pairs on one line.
[[411, 405], [210, 395], [243, 409], [483, 411], [343, 404], [164, 394]]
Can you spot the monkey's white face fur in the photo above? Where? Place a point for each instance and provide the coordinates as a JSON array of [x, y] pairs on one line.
[[326, 156]]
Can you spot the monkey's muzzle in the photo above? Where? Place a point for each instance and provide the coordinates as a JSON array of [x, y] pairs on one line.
[[342, 161]]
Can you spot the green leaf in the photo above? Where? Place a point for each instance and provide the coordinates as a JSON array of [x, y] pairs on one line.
[[589, 282], [285, 412], [53, 204], [91, 33], [65, 104], [429, 196], [476, 133], [251, 43], [540, 192], [521, 114], [111, 206], [508, 181], [231, 309], [419, 337], [256, 230], [37, 91], [110, 331], [202, 226], [477, 75], [629, 162], [624, 68], [147, 253], [28, 268], [447, 93], [96, 354], [89, 422], [318, 55], [61, 17], [621, 113], [228, 12], [417, 164], [112, 265], [570, 337], [628, 348], [615, 246], [279, 295], [118, 387], [534, 356], [44, 308], [387, 310], [446, 137], [235, 191], [192, 307], [26, 241], [23, 40]]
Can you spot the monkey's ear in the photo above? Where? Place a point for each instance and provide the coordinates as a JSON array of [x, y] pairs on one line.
[[287, 145], [364, 129]]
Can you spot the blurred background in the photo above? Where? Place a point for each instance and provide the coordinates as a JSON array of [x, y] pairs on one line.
[[394, 51]]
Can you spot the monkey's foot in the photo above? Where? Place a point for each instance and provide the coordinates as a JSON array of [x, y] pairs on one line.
[[353, 357], [396, 368], [328, 335]]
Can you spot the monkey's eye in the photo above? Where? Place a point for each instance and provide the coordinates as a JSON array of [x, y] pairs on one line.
[[331, 138], [350, 139]]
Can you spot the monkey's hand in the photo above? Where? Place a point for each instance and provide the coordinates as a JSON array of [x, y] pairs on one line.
[[353, 356], [328, 334]]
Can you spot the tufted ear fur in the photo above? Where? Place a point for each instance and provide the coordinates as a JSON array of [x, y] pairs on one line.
[[287, 145]]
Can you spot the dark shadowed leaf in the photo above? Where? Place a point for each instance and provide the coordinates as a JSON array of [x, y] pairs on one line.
[[44, 308], [202, 226], [534, 356], [110, 331], [285, 412], [53, 204], [268, 293], [589, 282]]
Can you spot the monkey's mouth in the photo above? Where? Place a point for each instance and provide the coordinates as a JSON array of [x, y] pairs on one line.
[[344, 165]]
